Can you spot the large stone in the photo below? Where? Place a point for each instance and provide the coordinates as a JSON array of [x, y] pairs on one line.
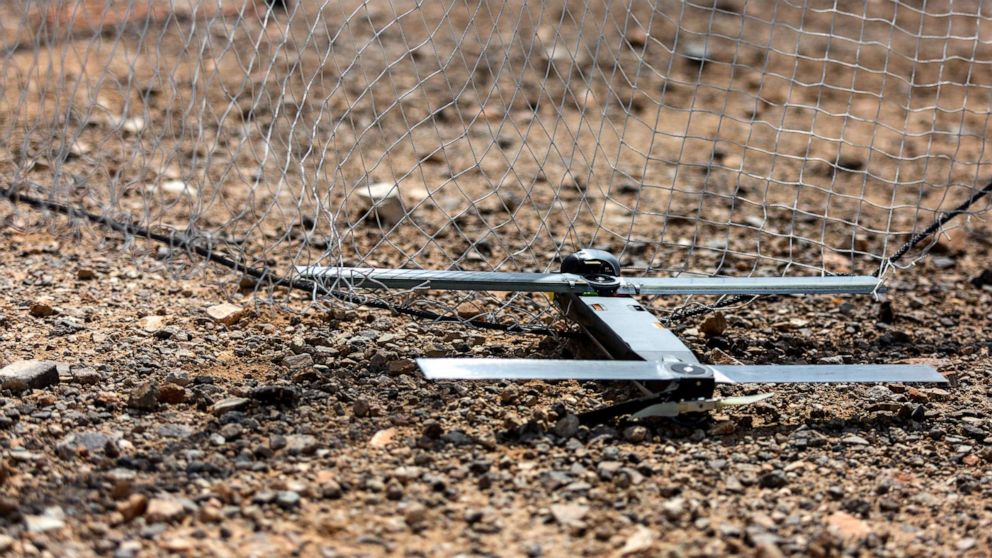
[[29, 374]]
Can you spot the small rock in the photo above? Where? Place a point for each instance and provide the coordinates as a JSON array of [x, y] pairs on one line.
[[636, 37], [171, 394], [722, 428], [943, 262], [133, 507], [415, 514], [226, 313], [768, 550], [853, 440], [41, 309], [383, 200], [29, 374], [151, 324], [303, 444], [966, 544], [382, 438], [288, 499], [567, 426], [85, 274], [714, 324], [231, 431], [90, 442], [228, 405], [468, 310], [697, 52], [640, 541], [145, 397], [51, 520], [6, 543], [165, 510], [400, 366], [846, 526], [276, 394], [361, 408], [673, 508], [982, 279], [774, 479], [635, 434], [85, 376], [298, 361], [569, 514]]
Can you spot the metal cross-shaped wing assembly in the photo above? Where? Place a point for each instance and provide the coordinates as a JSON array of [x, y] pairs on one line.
[[592, 294]]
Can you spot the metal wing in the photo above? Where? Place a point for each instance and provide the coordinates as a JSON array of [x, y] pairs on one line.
[[826, 374], [526, 369], [374, 278]]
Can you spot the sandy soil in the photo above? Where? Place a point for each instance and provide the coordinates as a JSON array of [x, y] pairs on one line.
[[514, 135]]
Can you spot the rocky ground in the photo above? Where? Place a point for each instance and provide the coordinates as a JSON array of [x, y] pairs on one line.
[[172, 424]]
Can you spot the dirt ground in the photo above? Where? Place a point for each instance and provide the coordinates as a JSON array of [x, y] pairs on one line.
[[729, 139]]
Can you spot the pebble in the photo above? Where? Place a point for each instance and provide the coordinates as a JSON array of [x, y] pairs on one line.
[[145, 397], [277, 394], [846, 526], [567, 426], [673, 508], [966, 544], [166, 509], [29, 374], [714, 325], [298, 361], [152, 324], [51, 520], [288, 499], [303, 444], [91, 442], [171, 394], [382, 438], [226, 313], [361, 408], [41, 309], [133, 507], [774, 479], [85, 376], [635, 434], [231, 431], [569, 514], [228, 405]]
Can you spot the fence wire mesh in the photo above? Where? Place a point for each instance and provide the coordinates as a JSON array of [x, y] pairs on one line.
[[714, 138]]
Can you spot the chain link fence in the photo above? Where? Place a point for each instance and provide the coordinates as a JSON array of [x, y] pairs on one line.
[[717, 138]]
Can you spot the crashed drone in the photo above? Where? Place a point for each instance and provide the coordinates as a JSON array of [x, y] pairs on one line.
[[592, 293]]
